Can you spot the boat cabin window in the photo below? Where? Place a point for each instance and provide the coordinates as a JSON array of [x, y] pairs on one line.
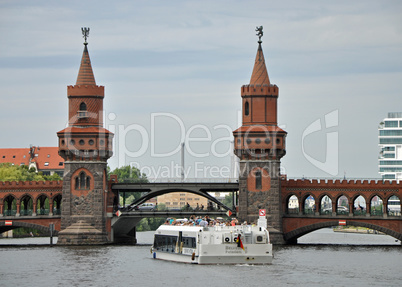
[[189, 242], [165, 242]]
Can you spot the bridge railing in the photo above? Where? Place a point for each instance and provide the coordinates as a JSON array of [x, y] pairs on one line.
[[26, 212], [342, 179], [12, 212], [185, 180], [42, 211]]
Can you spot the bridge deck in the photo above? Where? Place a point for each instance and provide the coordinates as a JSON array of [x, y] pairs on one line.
[[191, 186]]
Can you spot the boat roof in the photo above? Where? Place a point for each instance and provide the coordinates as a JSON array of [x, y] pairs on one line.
[[189, 228], [180, 228]]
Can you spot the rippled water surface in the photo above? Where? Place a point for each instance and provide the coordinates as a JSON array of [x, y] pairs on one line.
[[301, 265]]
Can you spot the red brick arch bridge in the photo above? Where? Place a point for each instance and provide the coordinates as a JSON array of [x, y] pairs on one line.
[[307, 205], [33, 204]]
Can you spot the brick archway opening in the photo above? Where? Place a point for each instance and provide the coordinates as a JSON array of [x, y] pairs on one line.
[[16, 224], [293, 235]]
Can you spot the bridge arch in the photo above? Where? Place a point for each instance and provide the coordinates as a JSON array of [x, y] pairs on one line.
[[343, 203], [156, 193], [57, 203], [325, 203], [393, 205], [359, 204], [17, 224], [9, 205], [26, 207], [292, 204], [308, 204], [42, 201], [294, 234], [376, 204]]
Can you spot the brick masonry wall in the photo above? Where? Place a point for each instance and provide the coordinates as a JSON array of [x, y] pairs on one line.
[[269, 197], [89, 207]]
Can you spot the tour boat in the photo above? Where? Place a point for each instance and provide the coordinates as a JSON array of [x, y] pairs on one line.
[[239, 244]]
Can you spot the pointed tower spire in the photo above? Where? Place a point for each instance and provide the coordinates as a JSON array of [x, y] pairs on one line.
[[85, 75], [260, 73]]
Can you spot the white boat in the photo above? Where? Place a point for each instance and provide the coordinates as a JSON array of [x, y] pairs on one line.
[[239, 244]]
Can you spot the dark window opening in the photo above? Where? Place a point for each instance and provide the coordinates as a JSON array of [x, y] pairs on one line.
[[82, 181], [246, 109], [258, 180], [82, 113], [83, 107]]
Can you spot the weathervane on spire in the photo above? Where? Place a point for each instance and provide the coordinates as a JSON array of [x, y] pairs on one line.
[[259, 33], [85, 34]]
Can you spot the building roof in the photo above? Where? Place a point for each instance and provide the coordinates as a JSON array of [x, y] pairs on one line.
[[17, 156], [85, 74], [260, 73], [259, 129], [46, 158], [84, 130]]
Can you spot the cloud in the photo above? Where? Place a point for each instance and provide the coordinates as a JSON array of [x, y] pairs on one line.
[[191, 58]]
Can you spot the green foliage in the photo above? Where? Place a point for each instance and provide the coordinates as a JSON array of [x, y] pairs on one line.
[[143, 225], [129, 199], [148, 224], [161, 207], [26, 232], [10, 172], [228, 201], [128, 174], [131, 174]]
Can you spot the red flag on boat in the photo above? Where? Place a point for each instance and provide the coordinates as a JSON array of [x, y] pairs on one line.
[[239, 243]]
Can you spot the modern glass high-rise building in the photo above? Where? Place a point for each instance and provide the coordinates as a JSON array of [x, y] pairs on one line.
[[390, 143]]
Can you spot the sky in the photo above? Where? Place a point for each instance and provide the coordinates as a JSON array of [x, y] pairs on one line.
[[173, 70]]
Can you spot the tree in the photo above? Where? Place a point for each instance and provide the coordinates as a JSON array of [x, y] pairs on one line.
[[128, 174], [228, 200], [132, 174], [10, 172]]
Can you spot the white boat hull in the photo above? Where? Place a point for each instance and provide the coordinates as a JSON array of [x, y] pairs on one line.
[[213, 245], [222, 254]]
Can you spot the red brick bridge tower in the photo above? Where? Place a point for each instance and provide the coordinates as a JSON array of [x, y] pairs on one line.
[[85, 146], [260, 144]]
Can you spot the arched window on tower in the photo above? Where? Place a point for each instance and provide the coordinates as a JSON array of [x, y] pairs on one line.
[[258, 179], [83, 113], [246, 109], [88, 182], [77, 183], [82, 181]]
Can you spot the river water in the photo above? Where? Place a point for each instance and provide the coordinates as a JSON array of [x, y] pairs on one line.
[[344, 262]]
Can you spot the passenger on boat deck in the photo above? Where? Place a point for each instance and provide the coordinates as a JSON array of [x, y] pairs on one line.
[[167, 222], [203, 223]]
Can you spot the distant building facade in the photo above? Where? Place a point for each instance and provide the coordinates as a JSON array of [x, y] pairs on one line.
[[42, 159], [178, 200], [390, 143]]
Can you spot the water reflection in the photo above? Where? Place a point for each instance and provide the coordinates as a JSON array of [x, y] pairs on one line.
[[299, 265]]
